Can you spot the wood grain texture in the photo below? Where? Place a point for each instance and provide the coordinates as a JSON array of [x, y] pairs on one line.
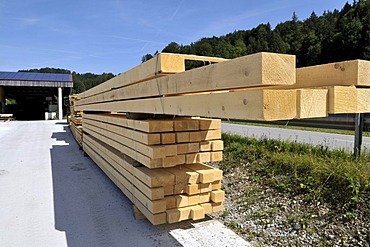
[[349, 99], [312, 103], [266, 105], [162, 64], [149, 126], [346, 73], [260, 69]]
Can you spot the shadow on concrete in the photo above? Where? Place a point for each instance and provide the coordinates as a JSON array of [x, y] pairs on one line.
[[91, 210]]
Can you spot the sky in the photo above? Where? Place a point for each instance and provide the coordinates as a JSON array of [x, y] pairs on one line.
[[113, 35]]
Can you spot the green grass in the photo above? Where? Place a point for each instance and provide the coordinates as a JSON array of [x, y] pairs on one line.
[[324, 130], [335, 177]]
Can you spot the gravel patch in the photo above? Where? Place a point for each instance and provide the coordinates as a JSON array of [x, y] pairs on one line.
[[266, 217]]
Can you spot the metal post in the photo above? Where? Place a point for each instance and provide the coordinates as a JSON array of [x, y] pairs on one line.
[[359, 126], [60, 98], [2, 100]]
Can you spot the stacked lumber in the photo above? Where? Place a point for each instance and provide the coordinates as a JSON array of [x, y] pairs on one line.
[[149, 130], [333, 88], [235, 89], [262, 86], [159, 143], [348, 84], [158, 164], [75, 120], [6, 117]]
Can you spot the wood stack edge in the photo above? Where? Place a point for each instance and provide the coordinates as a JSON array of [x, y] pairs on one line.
[[75, 121]]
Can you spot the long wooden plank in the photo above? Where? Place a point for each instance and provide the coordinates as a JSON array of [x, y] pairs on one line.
[[348, 100], [154, 152], [207, 173], [312, 103], [247, 105], [154, 206], [149, 126], [347, 73], [76, 120], [142, 137], [155, 219], [161, 64], [113, 176], [151, 177], [123, 170], [154, 177], [108, 151], [260, 69], [151, 163], [129, 181], [184, 175]]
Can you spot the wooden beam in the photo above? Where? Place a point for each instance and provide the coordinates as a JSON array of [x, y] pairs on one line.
[[149, 126], [142, 137], [151, 163], [161, 64], [312, 103], [178, 214], [113, 175], [155, 219], [265, 105], [154, 206], [217, 196], [350, 99], [153, 152], [347, 73], [129, 181], [260, 69]]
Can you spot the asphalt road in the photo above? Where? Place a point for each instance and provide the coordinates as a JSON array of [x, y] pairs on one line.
[[332, 141], [51, 195]]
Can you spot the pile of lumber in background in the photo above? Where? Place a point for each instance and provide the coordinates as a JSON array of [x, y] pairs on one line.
[[6, 117], [148, 128], [75, 120]]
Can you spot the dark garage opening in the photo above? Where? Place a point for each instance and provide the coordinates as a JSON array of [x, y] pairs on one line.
[[34, 96], [31, 103]]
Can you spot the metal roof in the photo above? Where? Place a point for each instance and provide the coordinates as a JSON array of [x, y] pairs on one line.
[[32, 76], [32, 79]]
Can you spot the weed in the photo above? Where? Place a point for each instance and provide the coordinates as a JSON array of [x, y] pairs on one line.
[[322, 175]]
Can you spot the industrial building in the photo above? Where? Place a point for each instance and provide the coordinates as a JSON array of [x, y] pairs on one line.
[[34, 96]]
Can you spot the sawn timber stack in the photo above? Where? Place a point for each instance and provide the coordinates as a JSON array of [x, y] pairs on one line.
[[228, 89], [75, 120], [147, 131], [158, 163]]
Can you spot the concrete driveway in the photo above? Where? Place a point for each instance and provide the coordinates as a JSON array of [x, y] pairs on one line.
[[51, 195]]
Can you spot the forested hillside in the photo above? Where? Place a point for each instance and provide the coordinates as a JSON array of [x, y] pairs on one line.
[[333, 36]]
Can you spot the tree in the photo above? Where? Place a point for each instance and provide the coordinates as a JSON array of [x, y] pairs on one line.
[[294, 17], [172, 47], [146, 57], [335, 35]]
